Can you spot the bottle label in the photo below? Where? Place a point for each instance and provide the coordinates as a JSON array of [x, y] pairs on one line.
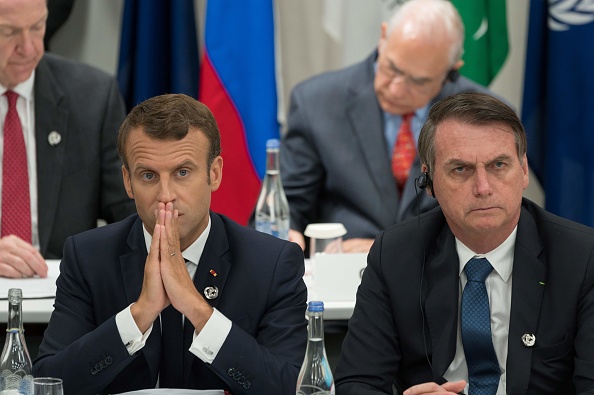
[[16, 383]]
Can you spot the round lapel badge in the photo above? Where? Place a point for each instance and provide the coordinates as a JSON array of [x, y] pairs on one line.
[[528, 339], [211, 292]]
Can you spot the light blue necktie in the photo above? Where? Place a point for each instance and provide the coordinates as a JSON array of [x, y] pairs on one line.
[[483, 368]]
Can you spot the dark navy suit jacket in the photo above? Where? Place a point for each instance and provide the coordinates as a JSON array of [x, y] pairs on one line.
[[552, 298], [79, 179], [261, 291]]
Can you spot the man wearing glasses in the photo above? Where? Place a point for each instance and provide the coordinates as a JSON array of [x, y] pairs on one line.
[[349, 154]]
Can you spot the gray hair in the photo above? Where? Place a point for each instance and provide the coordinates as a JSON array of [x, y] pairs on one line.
[[432, 18]]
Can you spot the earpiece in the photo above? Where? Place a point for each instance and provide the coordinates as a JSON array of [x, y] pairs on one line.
[[453, 75], [423, 181]]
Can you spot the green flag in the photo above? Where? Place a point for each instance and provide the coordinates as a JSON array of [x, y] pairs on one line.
[[485, 43]]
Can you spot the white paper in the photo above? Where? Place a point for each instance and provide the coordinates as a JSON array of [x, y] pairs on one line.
[[34, 288]]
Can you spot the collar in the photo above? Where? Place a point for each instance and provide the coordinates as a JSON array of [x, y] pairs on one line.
[[24, 89], [501, 258], [193, 252]]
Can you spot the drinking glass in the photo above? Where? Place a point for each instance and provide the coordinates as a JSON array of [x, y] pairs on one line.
[[47, 386]]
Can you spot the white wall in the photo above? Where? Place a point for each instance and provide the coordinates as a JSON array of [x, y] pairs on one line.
[[315, 35]]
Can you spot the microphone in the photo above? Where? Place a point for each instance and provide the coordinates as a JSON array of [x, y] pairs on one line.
[[423, 181]]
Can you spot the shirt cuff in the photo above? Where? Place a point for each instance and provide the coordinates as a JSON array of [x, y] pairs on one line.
[[133, 339], [208, 342]]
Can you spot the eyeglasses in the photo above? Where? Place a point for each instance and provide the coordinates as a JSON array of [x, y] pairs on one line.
[[419, 85]]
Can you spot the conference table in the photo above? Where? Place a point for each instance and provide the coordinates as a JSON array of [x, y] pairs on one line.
[[333, 278]]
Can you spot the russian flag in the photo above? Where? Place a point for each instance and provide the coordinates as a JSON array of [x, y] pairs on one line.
[[238, 84]]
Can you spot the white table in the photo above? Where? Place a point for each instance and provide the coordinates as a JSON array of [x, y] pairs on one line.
[[40, 310]]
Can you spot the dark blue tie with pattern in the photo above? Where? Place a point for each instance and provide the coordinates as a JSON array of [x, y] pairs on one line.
[[483, 368]]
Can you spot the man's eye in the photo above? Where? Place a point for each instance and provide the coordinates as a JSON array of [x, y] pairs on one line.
[[6, 32], [148, 176], [499, 165], [183, 173]]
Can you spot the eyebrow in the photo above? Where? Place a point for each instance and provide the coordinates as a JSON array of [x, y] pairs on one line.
[[417, 79], [9, 26], [455, 162], [186, 163]]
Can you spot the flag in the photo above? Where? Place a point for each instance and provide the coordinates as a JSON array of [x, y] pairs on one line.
[[158, 50], [558, 105], [238, 84], [485, 41]]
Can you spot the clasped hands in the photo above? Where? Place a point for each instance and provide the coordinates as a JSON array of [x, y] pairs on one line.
[[449, 388], [166, 278]]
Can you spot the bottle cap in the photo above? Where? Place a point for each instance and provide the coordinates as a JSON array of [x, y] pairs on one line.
[[272, 143], [325, 231], [315, 306], [15, 295]]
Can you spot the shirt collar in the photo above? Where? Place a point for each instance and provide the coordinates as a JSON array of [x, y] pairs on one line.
[[501, 258], [193, 252], [24, 89]]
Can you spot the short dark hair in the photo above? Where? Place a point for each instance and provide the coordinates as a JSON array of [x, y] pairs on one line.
[[472, 109], [170, 117]]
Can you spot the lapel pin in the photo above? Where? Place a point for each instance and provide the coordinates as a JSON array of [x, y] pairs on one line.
[[213, 272], [528, 339], [211, 292], [54, 138]]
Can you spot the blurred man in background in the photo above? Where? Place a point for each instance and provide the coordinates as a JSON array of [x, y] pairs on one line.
[[60, 170], [349, 155]]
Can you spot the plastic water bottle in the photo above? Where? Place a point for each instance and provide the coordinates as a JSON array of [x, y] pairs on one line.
[[16, 370], [315, 376], [272, 209]]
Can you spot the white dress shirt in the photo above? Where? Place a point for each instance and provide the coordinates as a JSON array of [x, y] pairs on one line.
[[26, 111], [499, 289], [209, 341]]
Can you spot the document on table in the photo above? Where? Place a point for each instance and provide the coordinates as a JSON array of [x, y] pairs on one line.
[[35, 287]]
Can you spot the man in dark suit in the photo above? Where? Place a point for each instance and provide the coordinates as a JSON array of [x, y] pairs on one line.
[[240, 291], [343, 125], [69, 113], [411, 325]]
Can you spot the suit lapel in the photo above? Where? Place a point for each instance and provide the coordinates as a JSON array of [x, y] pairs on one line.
[[51, 114], [441, 301], [529, 275], [213, 271], [366, 118], [132, 267]]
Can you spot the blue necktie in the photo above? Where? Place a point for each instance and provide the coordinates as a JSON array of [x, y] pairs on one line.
[[483, 368]]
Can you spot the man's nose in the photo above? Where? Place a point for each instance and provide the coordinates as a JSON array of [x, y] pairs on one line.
[[482, 185]]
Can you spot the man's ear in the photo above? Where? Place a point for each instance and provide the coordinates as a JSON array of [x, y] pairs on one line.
[[216, 173]]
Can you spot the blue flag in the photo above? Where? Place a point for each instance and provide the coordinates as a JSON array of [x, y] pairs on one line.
[[158, 50], [558, 105]]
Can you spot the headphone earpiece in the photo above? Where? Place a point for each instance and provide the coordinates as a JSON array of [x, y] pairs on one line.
[[453, 75], [423, 181]]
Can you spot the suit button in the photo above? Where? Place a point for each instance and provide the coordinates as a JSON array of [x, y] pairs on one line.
[[93, 371], [108, 360], [247, 384], [231, 372]]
